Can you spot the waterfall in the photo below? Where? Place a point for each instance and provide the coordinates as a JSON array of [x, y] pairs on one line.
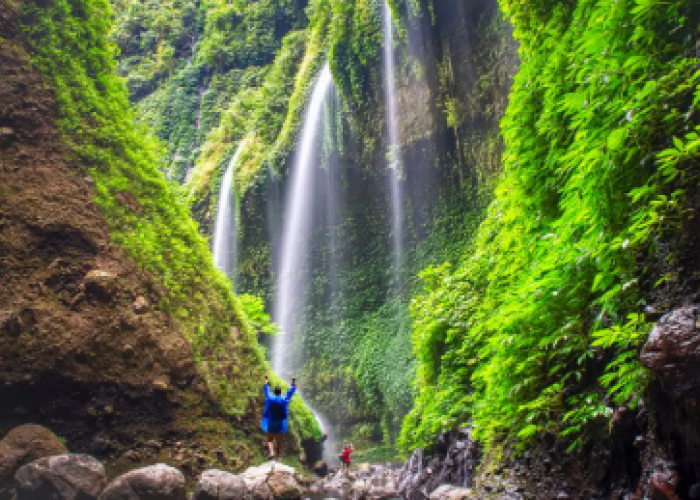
[[294, 273], [225, 245], [394, 153], [293, 276]]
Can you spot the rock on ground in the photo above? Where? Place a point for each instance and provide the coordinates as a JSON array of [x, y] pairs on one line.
[[62, 477], [449, 492], [270, 481], [273, 481], [157, 482], [452, 461], [219, 485], [375, 483], [23, 445]]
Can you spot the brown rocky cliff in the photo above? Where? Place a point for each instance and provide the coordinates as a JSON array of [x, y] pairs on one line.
[[85, 348]]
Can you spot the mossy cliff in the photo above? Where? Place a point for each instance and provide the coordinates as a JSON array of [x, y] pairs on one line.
[[455, 65], [117, 329]]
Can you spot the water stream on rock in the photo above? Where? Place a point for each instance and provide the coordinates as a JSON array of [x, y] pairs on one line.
[[293, 280], [225, 244]]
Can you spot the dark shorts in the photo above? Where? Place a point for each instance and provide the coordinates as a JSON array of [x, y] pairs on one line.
[[275, 427]]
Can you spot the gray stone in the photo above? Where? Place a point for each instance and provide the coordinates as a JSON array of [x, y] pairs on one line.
[[157, 482], [449, 492], [23, 445], [673, 350], [62, 477], [219, 485]]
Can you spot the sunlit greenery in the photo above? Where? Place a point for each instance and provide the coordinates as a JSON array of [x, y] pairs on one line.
[[525, 317], [539, 323], [146, 214]]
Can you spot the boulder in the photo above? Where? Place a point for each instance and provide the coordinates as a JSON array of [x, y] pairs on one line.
[[219, 485], [449, 492], [157, 482], [284, 485], [673, 350], [23, 445], [62, 477]]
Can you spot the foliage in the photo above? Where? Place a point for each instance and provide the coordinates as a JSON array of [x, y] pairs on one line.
[[601, 138], [254, 308], [146, 215], [180, 55]]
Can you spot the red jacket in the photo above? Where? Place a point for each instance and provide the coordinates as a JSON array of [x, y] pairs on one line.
[[346, 455]]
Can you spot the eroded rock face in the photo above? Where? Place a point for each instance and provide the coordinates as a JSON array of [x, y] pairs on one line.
[[452, 461], [22, 445], [157, 482], [219, 485], [64, 477], [673, 350]]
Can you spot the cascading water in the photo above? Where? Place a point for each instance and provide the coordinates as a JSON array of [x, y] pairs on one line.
[[293, 276], [225, 245], [294, 273], [394, 153]]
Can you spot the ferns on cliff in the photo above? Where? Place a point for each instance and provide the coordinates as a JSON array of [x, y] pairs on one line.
[[538, 328]]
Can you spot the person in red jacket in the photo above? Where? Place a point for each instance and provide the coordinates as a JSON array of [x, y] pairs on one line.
[[347, 451]]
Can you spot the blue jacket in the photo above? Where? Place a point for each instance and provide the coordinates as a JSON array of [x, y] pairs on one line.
[[275, 416]]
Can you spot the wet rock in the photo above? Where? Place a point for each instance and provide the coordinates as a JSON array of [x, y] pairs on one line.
[[673, 350], [22, 445], [64, 477], [452, 461], [448, 492], [157, 482], [219, 485]]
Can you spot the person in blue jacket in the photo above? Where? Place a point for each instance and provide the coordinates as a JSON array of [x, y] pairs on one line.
[[275, 416]]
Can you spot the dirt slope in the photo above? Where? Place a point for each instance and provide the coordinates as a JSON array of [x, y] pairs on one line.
[[84, 348]]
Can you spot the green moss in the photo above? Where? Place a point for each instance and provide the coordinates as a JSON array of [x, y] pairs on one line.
[[146, 214], [600, 135]]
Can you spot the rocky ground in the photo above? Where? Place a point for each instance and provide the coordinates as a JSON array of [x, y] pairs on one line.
[[650, 453]]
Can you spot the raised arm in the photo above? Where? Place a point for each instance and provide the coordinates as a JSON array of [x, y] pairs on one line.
[[266, 388], [291, 390]]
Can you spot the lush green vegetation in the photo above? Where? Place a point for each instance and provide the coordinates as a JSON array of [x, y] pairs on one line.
[[537, 328], [146, 214], [529, 318]]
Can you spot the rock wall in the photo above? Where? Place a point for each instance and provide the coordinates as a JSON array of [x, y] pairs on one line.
[[87, 349], [648, 453]]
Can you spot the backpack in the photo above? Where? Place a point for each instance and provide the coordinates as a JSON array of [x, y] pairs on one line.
[[278, 411]]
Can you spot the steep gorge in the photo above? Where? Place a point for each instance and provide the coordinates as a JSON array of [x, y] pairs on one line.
[[95, 345], [486, 235]]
